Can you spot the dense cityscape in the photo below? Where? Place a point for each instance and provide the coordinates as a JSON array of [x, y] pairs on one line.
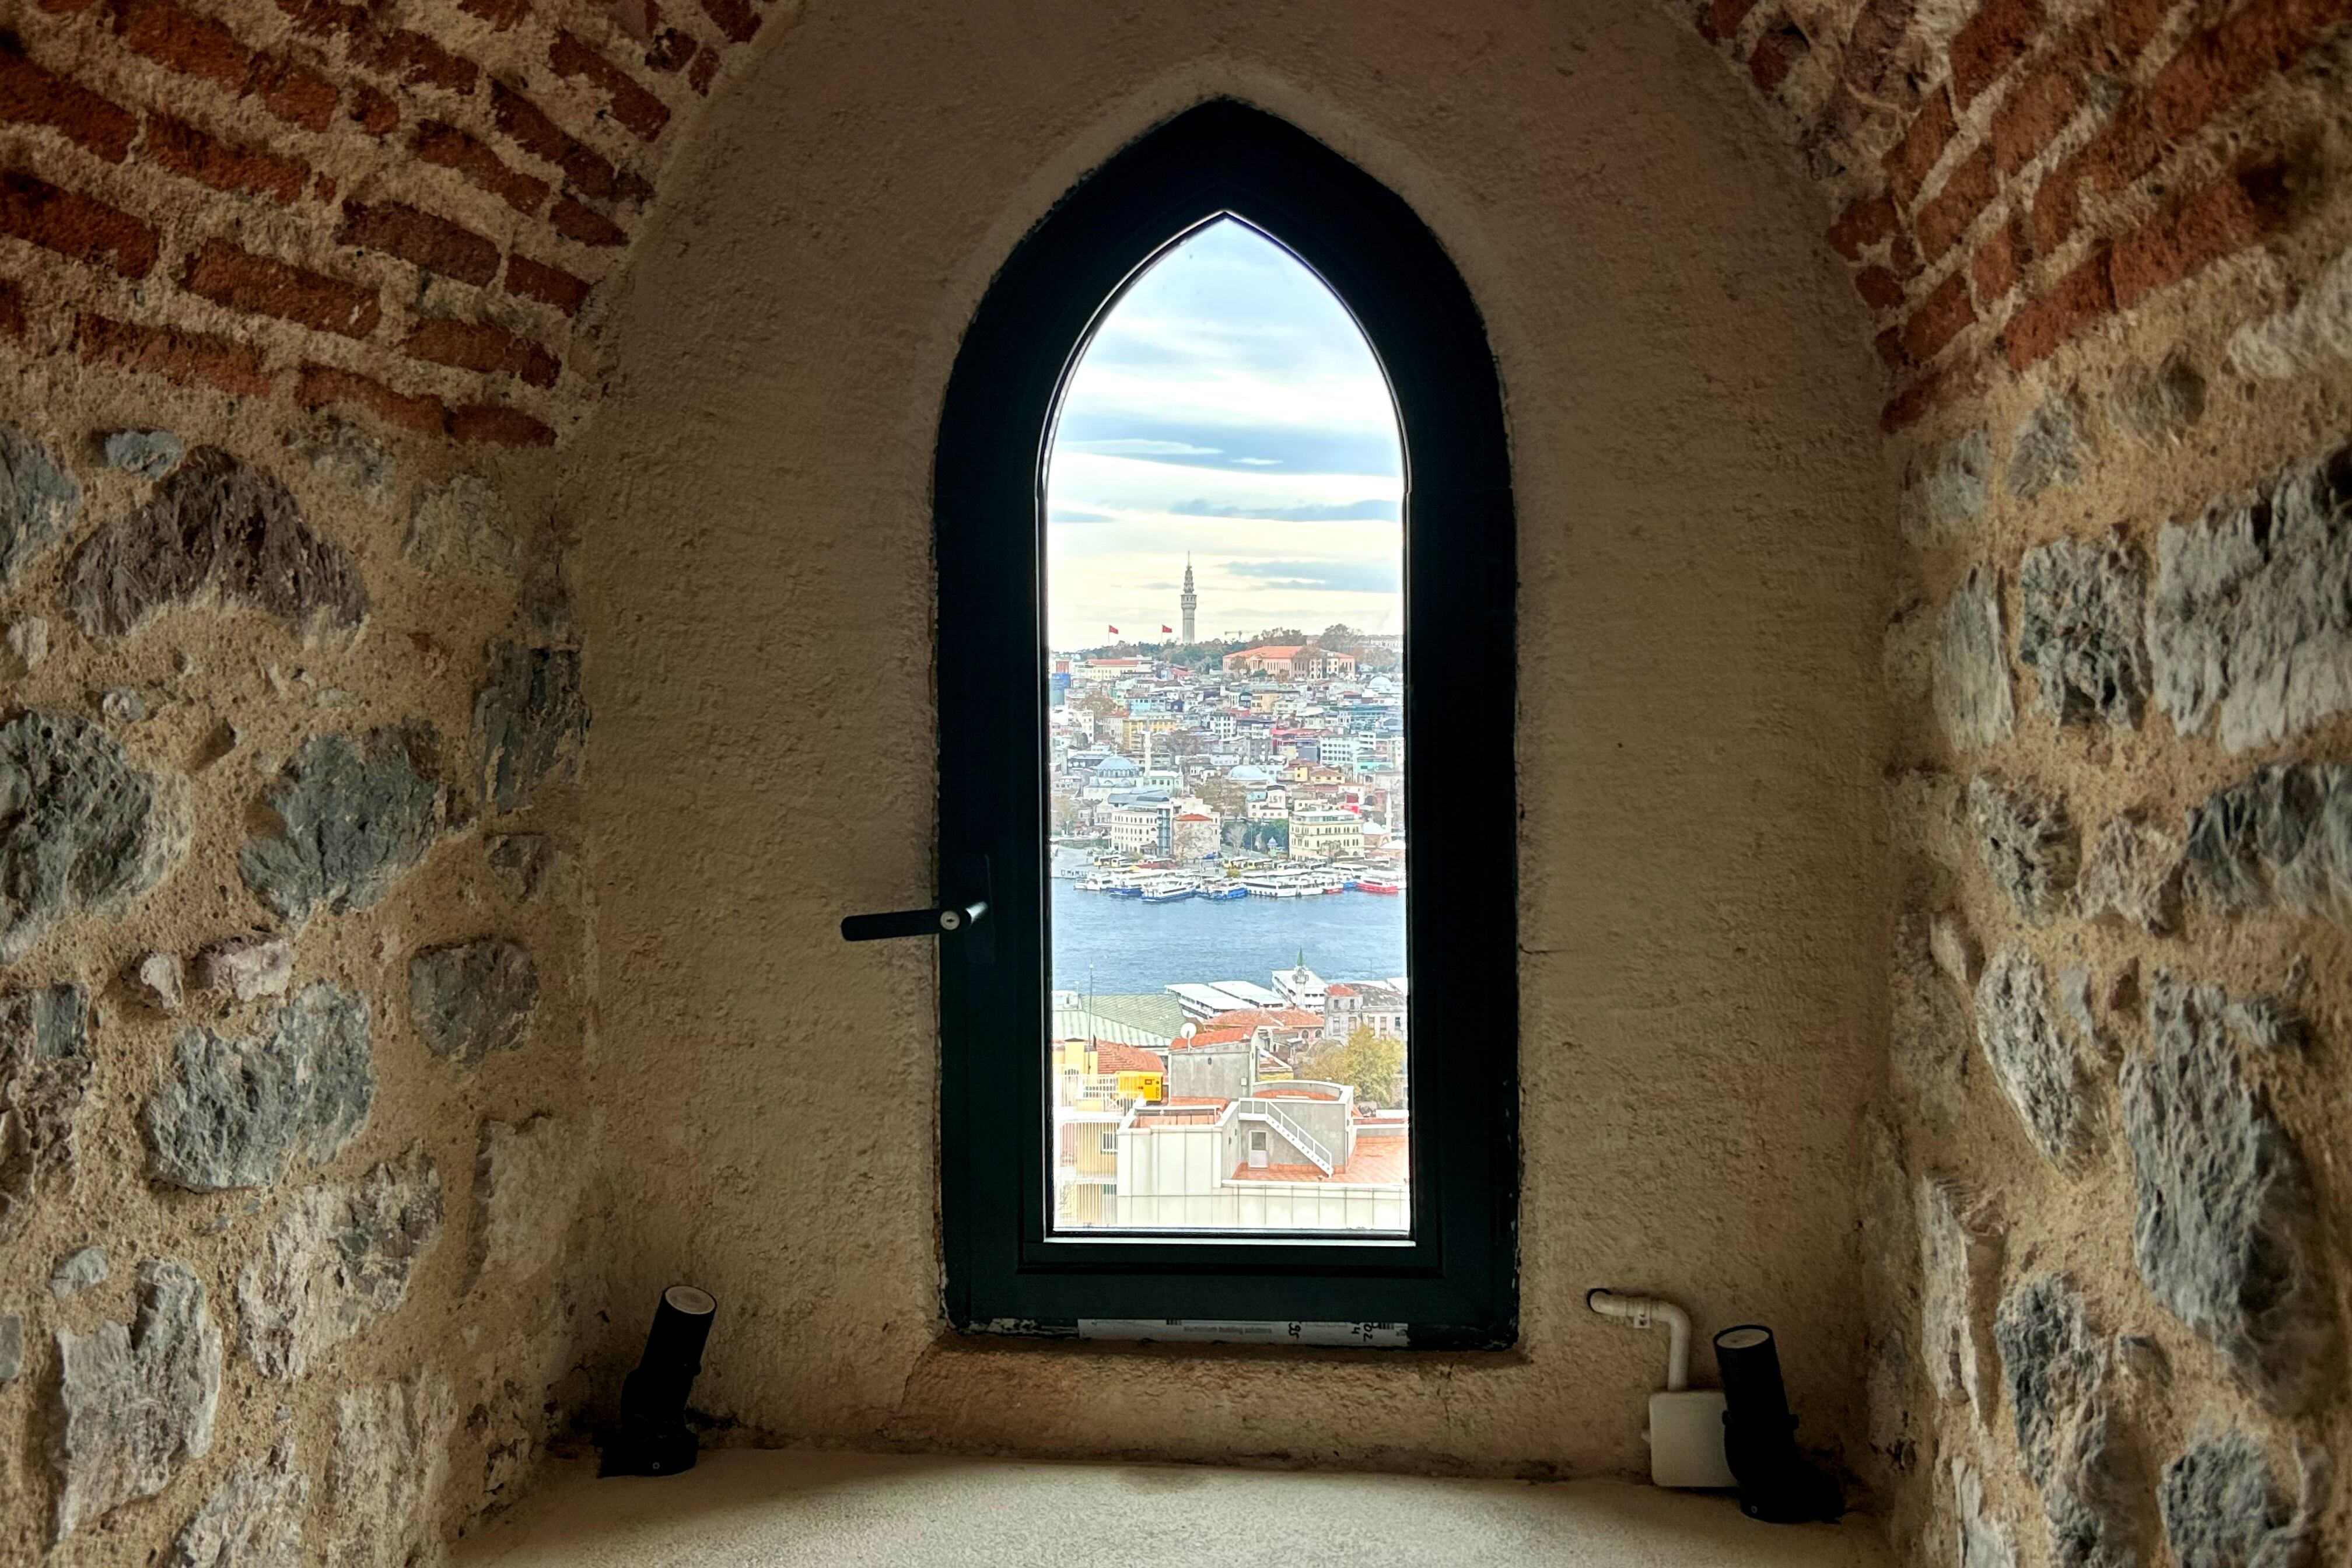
[[1184, 773]]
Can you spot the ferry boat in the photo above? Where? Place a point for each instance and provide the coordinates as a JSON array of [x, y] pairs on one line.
[[1391, 886], [1168, 890], [1224, 892], [1098, 882]]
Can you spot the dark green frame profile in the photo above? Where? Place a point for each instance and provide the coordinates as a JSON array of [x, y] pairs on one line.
[[1454, 1282]]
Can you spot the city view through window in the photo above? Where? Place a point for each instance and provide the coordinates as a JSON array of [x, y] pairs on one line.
[[1225, 630]]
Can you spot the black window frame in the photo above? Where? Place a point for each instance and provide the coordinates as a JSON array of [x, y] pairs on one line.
[[1453, 1284]]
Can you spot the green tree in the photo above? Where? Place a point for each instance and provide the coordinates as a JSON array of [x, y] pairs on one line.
[[1370, 1063]]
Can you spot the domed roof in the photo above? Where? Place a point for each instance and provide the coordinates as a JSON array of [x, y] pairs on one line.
[[1117, 766]]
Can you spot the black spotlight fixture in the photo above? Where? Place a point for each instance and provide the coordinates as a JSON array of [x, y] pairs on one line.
[[1760, 1444], [652, 1438]]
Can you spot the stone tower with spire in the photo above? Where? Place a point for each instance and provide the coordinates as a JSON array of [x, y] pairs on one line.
[[1189, 602]]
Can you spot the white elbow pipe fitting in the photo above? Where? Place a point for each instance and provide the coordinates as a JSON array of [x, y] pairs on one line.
[[1642, 1311]]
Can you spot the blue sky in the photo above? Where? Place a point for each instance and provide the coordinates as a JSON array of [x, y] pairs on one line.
[[1227, 407]]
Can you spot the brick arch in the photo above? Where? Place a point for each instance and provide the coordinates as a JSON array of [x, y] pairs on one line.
[[301, 202], [2007, 174]]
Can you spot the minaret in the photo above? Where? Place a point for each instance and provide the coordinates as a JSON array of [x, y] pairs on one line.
[[1189, 601]]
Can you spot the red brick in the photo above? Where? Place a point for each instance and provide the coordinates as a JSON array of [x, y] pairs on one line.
[[1776, 54], [1718, 21], [186, 358], [500, 426], [2057, 206], [1879, 289], [706, 66], [317, 385], [2220, 220], [1967, 191], [66, 7], [632, 105], [1992, 41], [1889, 344], [322, 189], [1913, 401], [191, 153], [1861, 226], [670, 51], [74, 225], [578, 222], [550, 285], [265, 286], [180, 41], [1909, 162], [298, 97], [499, 13], [1903, 255], [451, 148], [2036, 110], [535, 134], [483, 347], [737, 21], [2123, 29], [1940, 318], [433, 243], [31, 95], [373, 112], [12, 309], [413, 59], [2000, 261], [2078, 299]]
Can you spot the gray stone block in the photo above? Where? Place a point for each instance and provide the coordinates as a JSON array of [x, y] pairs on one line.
[[252, 1520], [2221, 1508], [1950, 490], [38, 500], [461, 526], [2249, 628], [2026, 843], [520, 862], [357, 818], [2080, 609], [2047, 449], [1960, 1246], [1985, 1541], [237, 1112], [2283, 835], [136, 1404], [529, 720], [1930, 1031], [2133, 875], [390, 1462], [2055, 1368], [83, 829], [12, 1347], [216, 531], [335, 1259], [2037, 1070], [78, 1270], [473, 998], [45, 1069], [149, 454], [1973, 690], [2221, 1235], [2156, 405]]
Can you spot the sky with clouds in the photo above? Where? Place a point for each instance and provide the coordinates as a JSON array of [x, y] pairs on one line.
[[1227, 407]]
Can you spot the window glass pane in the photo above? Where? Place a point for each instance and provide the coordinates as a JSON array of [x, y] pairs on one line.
[[1226, 626]]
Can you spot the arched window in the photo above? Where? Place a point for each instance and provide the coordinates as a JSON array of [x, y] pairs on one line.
[[1102, 1164]]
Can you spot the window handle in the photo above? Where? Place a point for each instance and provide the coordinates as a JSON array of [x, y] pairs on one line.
[[944, 921]]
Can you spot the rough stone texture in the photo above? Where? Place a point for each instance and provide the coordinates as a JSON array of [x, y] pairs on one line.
[[520, 862], [2047, 449], [1955, 949], [461, 526], [238, 1113], [248, 968], [216, 532], [390, 1458], [531, 721], [38, 500], [336, 1257], [149, 454], [12, 1347], [2026, 843], [473, 998], [124, 705], [2133, 875], [356, 818], [2283, 835], [45, 1068], [1984, 1541], [2304, 337], [136, 1403], [2250, 628], [2079, 631], [1972, 687], [2054, 1370], [1960, 1247], [78, 1270], [528, 1186], [345, 454], [2072, 990], [1928, 1037], [2222, 1232], [252, 1520], [2222, 1507], [2156, 405], [2037, 1069], [159, 982], [1950, 490], [83, 829], [28, 640]]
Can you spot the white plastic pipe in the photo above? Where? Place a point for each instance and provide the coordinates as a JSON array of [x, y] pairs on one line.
[[1642, 1312]]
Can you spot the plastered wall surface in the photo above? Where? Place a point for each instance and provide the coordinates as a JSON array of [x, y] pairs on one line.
[[1704, 548]]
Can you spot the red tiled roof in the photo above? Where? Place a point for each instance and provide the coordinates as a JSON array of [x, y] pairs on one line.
[[1111, 1055], [1202, 1038], [1270, 1018], [1377, 1161]]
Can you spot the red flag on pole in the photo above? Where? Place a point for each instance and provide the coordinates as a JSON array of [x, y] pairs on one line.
[[1168, 628], [1114, 631]]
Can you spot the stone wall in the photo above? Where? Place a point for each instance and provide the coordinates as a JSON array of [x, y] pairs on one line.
[[2109, 250], [292, 1148]]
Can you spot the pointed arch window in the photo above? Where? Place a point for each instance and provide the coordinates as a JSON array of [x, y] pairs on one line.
[[1123, 1141]]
